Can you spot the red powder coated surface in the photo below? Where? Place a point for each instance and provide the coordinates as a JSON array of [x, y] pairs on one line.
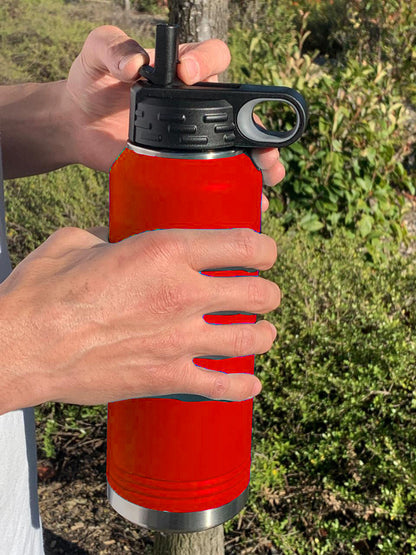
[[166, 454]]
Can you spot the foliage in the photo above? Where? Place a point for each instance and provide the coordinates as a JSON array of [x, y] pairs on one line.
[[376, 31], [60, 423], [39, 39], [148, 6], [260, 34], [334, 467], [38, 43], [36, 206], [348, 166]]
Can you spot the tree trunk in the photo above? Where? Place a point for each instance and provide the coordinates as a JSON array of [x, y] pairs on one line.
[[198, 20], [126, 4], [209, 542]]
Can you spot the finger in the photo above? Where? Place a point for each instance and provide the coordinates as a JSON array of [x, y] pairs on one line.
[[274, 175], [225, 248], [252, 294], [231, 248], [264, 203], [235, 340], [109, 49], [265, 158], [219, 385], [201, 61], [205, 248], [268, 160]]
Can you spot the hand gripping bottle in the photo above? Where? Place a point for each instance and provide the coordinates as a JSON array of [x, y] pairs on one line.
[[181, 462]]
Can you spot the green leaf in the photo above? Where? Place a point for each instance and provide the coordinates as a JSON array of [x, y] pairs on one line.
[[310, 222], [365, 225]]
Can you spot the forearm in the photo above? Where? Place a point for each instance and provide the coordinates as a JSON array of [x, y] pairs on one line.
[[36, 128]]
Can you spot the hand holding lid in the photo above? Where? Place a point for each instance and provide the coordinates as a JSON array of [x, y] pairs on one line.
[[167, 114]]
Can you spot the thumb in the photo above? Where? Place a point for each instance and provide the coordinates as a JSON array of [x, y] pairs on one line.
[[109, 49]]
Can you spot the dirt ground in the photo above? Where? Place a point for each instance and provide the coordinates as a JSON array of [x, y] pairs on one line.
[[76, 515], [78, 520]]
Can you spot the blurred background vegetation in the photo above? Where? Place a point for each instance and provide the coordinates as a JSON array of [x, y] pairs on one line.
[[334, 460]]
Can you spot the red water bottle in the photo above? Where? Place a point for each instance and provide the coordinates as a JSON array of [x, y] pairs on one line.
[[182, 463]]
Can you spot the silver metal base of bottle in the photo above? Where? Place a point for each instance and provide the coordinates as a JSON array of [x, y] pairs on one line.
[[176, 522]]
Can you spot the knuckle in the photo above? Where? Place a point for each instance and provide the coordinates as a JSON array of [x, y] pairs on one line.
[[97, 34], [219, 386], [245, 339], [257, 292], [70, 238], [220, 47], [121, 45], [105, 31], [245, 243], [159, 376], [162, 248], [91, 37]]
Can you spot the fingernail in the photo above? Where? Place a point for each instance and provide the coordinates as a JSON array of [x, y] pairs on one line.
[[191, 68], [123, 62], [126, 59]]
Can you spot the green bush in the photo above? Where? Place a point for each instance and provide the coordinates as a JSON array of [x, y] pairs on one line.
[[39, 205], [347, 168], [149, 6], [334, 466], [376, 31]]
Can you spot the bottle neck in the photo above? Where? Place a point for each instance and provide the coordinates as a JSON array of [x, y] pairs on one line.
[[206, 155]]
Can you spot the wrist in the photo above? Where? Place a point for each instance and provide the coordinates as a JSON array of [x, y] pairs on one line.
[[73, 121], [19, 385]]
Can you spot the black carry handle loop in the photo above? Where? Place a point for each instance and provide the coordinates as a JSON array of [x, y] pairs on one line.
[[244, 98], [248, 133]]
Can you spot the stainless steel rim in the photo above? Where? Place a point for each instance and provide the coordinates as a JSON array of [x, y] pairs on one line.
[[175, 522], [208, 155]]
